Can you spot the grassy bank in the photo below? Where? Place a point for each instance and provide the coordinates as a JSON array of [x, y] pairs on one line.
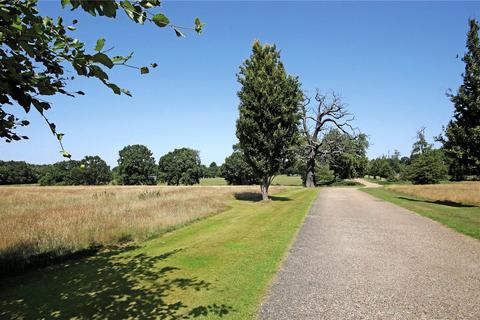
[[42, 223], [461, 217], [216, 267]]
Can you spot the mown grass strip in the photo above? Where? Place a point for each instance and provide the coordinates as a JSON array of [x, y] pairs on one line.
[[217, 267], [461, 217]]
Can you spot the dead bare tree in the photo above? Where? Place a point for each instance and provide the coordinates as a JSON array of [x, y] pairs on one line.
[[330, 112]]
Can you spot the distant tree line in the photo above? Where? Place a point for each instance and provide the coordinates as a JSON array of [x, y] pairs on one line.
[[136, 166], [425, 165]]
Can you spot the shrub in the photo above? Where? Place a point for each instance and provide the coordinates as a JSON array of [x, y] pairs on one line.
[[428, 167]]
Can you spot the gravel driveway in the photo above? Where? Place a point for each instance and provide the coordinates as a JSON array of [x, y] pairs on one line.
[[357, 257]]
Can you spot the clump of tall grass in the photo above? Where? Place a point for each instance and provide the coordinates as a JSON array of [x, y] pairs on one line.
[[50, 222], [149, 194], [462, 192]]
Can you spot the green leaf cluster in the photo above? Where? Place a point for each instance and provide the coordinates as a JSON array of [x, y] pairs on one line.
[[180, 166], [91, 170], [236, 171], [37, 52], [462, 135], [267, 126], [136, 165], [17, 172], [428, 167]]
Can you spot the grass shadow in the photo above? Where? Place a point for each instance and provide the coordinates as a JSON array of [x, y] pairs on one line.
[[440, 202], [110, 285], [256, 197]]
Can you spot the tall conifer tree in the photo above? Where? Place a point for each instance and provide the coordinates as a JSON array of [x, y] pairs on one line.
[[267, 126], [462, 135]]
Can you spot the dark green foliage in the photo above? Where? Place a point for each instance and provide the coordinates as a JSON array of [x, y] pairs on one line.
[[428, 167], [62, 173], [38, 55], [94, 171], [213, 170], [116, 179], [180, 166], [235, 170], [323, 174], [340, 155], [136, 165], [462, 134], [350, 160], [91, 170], [268, 112], [17, 172], [380, 167]]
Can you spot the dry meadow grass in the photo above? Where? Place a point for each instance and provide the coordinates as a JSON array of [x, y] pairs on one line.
[[61, 220], [462, 192]]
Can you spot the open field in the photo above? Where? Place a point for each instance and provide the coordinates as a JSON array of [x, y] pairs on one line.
[[216, 267], [461, 192], [217, 181], [284, 180], [280, 180], [442, 205], [61, 220]]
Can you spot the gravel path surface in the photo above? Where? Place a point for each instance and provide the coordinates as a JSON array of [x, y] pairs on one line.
[[357, 257], [367, 183]]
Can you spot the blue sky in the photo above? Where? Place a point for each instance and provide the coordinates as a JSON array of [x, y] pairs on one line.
[[392, 62]]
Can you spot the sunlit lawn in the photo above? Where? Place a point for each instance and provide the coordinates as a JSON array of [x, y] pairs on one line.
[[219, 266]]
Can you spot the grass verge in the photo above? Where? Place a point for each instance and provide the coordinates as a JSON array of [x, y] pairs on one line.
[[217, 267], [39, 224], [463, 218]]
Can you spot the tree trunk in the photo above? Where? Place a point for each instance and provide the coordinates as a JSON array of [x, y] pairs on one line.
[[310, 174], [264, 188]]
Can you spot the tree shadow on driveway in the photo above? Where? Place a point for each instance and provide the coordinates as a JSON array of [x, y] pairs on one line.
[[110, 285]]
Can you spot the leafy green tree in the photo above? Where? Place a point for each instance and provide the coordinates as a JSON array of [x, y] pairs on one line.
[[17, 172], [62, 173], [348, 158], [323, 174], [428, 167], [91, 170], [394, 161], [213, 170], [421, 145], [94, 171], [116, 179], [267, 126], [462, 135], [380, 167], [38, 55], [180, 166], [236, 171], [136, 165]]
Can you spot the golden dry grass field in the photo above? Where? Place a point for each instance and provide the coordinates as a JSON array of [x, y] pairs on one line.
[[462, 192], [61, 220]]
